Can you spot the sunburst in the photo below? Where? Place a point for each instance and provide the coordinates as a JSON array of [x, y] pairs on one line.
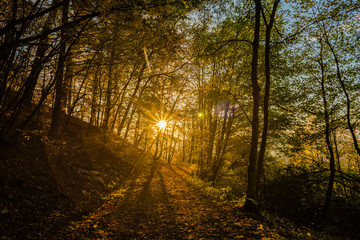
[[161, 124]]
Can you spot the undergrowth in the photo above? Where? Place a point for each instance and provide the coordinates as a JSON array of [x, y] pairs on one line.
[[221, 194], [283, 226]]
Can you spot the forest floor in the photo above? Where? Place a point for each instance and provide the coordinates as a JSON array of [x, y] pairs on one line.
[[160, 204], [78, 187]]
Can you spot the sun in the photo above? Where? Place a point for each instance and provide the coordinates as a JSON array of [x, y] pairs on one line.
[[161, 124]]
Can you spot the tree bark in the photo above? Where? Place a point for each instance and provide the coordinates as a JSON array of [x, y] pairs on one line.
[[122, 96], [95, 86], [108, 93], [7, 54], [262, 150], [37, 65], [330, 187], [251, 183], [127, 129], [59, 77], [121, 125]]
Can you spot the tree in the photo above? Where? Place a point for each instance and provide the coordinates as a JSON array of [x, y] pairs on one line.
[[269, 26], [251, 194], [59, 76]]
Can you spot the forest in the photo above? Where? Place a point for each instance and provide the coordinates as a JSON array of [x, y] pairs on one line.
[[179, 119]]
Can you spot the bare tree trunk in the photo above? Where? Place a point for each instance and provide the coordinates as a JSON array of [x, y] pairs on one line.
[[162, 143], [121, 125], [129, 122], [146, 139], [108, 94], [192, 140], [329, 190], [169, 157], [157, 146], [59, 79], [94, 106], [37, 65], [77, 98], [46, 92], [184, 142], [222, 143], [339, 165], [7, 54], [136, 132], [260, 163], [251, 183], [210, 146], [68, 84], [98, 114], [172, 152], [122, 93]]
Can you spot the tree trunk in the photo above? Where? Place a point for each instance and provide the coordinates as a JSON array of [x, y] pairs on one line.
[[329, 190], [69, 98], [348, 101], [121, 125], [137, 138], [222, 142], [183, 143], [59, 78], [251, 184], [260, 163], [122, 93], [172, 140], [211, 142], [192, 140], [7, 54], [129, 122], [108, 94], [37, 65], [94, 106]]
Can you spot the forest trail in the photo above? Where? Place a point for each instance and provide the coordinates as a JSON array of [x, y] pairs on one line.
[[160, 203]]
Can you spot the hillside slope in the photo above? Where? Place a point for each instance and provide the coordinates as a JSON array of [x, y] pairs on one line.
[[46, 183]]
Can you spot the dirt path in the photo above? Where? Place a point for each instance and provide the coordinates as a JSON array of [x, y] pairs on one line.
[[160, 204]]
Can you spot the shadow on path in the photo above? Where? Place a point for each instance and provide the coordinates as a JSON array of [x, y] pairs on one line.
[[160, 204]]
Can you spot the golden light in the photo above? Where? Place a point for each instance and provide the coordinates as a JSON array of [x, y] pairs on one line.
[[161, 124]]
